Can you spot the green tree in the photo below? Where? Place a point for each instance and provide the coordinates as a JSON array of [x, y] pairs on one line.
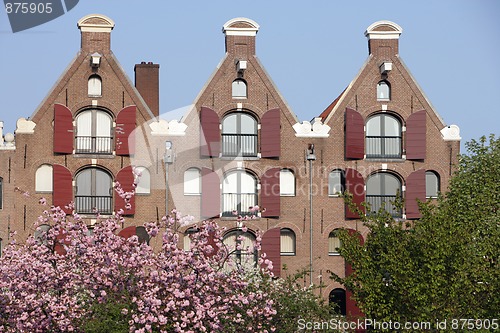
[[442, 266]]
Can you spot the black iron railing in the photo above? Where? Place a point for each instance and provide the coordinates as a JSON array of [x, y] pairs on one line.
[[376, 201], [239, 203], [90, 204], [239, 145], [94, 145], [383, 147]]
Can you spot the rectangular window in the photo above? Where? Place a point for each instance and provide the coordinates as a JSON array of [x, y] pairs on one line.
[[287, 183]]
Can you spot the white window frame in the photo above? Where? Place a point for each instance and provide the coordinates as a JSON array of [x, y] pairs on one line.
[[143, 181], [287, 235], [192, 185], [287, 183], [44, 179], [94, 86]]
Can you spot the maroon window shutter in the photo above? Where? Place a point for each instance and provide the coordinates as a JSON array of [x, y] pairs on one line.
[[125, 125], [210, 193], [270, 193], [415, 189], [63, 130], [213, 243], [354, 135], [415, 136], [126, 179], [62, 187], [210, 133], [352, 310], [354, 184], [270, 134], [128, 232], [271, 246]]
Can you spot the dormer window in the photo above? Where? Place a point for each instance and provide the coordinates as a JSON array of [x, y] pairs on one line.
[[383, 91], [239, 88], [95, 86]]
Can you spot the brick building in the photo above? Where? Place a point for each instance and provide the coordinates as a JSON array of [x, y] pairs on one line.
[[239, 145]]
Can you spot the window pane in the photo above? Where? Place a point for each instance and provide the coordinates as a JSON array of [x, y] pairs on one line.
[[95, 86], [143, 181], [391, 183], [333, 243], [248, 124], [229, 125], [287, 182], [192, 184], [103, 127], [431, 184], [84, 124], [230, 184], [391, 126], [373, 185], [102, 183], [239, 88], [43, 178], [84, 182], [383, 91], [373, 127], [335, 182], [287, 241]]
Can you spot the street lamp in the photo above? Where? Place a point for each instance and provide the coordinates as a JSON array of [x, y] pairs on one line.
[[310, 156], [168, 158]]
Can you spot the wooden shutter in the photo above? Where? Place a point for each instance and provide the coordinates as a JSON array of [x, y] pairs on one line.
[[354, 184], [212, 242], [415, 189], [271, 246], [354, 135], [62, 187], [210, 193], [270, 193], [63, 130], [270, 134], [126, 179], [210, 133], [416, 136], [128, 232], [125, 125], [352, 310]]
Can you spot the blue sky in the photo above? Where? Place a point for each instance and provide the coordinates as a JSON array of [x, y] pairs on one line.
[[311, 49]]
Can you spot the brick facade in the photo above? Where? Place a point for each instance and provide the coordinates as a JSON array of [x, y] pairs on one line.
[[291, 141]]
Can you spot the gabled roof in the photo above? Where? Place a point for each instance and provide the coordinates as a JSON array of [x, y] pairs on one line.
[[330, 107]]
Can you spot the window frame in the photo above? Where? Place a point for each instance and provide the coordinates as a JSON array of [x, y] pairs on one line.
[[341, 183], [147, 189], [238, 137], [197, 179], [331, 235], [50, 187], [380, 84], [438, 184], [94, 78], [238, 89], [81, 146], [239, 253], [396, 213], [382, 136], [284, 232], [93, 189], [239, 183], [292, 174]]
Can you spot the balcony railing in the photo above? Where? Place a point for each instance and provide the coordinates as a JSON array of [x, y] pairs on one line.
[[238, 202], [383, 147], [376, 201], [94, 145], [239, 145], [90, 204]]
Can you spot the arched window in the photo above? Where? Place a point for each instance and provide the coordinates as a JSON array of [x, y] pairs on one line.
[[383, 136], [287, 183], [336, 182], [239, 193], [383, 91], [95, 86], [93, 132], [239, 135], [239, 88], [93, 191], [334, 243], [143, 181], [432, 184], [337, 300], [241, 246], [192, 181], [382, 189], [43, 178], [187, 237], [41, 234], [287, 242]]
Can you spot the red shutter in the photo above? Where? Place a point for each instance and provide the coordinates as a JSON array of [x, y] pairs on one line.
[[354, 135], [354, 184], [415, 136], [125, 125], [213, 243], [210, 193], [62, 187], [128, 232], [126, 179], [63, 130], [270, 193], [210, 133], [270, 134], [415, 189], [271, 246], [352, 310]]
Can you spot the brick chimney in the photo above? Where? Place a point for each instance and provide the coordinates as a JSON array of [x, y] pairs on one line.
[[240, 36], [147, 82], [383, 39], [96, 33]]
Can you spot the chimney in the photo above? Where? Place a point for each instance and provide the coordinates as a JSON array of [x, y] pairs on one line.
[[240, 37], [147, 82], [96, 33], [383, 39]]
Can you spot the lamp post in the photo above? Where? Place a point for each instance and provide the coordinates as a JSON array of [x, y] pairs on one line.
[[168, 158], [310, 157]]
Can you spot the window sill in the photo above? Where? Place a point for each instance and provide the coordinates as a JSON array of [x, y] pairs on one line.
[[235, 218], [287, 254], [240, 97], [240, 158], [287, 195], [79, 155], [383, 99], [192, 194], [334, 254], [95, 96], [381, 159], [334, 195]]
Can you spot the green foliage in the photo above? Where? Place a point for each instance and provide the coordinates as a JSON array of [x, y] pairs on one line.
[[111, 316], [445, 265]]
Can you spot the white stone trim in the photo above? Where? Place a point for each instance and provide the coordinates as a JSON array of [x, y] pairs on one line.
[[161, 127], [371, 34], [88, 27], [25, 126], [232, 31], [451, 133], [314, 129]]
